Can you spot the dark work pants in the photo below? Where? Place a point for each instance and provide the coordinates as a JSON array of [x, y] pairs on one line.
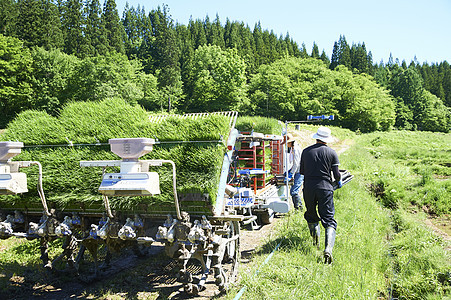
[[324, 201]]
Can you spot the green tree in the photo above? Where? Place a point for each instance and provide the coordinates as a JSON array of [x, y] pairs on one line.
[[165, 55], [325, 58], [186, 50], [198, 33], [315, 51], [362, 104], [38, 23], [292, 88], [216, 33], [95, 32], [303, 53], [218, 80], [335, 55], [134, 21], [427, 112], [344, 57], [15, 79], [435, 116], [73, 22], [51, 73], [100, 77], [114, 30], [359, 58], [8, 17], [284, 89], [341, 54]]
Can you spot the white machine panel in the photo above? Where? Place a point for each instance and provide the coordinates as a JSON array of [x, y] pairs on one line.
[[13, 183], [130, 184]]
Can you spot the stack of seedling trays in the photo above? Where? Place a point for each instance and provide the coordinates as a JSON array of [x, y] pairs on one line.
[[81, 132]]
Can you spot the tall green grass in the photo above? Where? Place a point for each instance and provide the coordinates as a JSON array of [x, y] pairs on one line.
[[297, 271], [410, 168]]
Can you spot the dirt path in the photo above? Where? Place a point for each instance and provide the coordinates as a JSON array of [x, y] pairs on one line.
[[444, 223]]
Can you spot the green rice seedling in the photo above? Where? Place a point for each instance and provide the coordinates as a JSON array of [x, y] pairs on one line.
[[195, 145], [89, 122], [259, 124]]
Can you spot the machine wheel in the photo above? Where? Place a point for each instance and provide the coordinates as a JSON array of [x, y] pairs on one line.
[[267, 217]]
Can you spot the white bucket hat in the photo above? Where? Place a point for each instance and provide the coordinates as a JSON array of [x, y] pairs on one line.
[[323, 134]]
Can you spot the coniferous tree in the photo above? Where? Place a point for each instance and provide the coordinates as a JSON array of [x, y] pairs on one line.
[[271, 40], [28, 22], [217, 33], [232, 35], [289, 45], [113, 27], [95, 33], [370, 64], [344, 57], [260, 46], [186, 50], [359, 58], [165, 55], [53, 35], [335, 56], [324, 58], [8, 17], [38, 24], [198, 33], [72, 22], [304, 53], [315, 51], [248, 49]]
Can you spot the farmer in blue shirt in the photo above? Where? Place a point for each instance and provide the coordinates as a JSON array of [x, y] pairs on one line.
[[294, 160], [318, 162]]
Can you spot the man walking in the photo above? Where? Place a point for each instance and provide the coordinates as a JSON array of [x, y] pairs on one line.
[[318, 161], [294, 159]]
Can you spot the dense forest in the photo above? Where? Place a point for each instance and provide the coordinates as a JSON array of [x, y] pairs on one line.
[[56, 52]]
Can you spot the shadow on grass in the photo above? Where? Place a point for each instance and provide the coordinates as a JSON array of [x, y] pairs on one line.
[[298, 240]]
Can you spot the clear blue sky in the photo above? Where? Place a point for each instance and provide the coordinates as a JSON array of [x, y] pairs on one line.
[[405, 28]]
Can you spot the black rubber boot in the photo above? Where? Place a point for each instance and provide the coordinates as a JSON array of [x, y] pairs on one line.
[[297, 202], [330, 241], [315, 232]]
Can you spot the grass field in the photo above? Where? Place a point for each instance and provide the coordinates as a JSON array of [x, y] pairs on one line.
[[382, 250]]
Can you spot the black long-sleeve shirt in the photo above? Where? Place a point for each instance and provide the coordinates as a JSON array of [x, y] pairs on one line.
[[318, 161]]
